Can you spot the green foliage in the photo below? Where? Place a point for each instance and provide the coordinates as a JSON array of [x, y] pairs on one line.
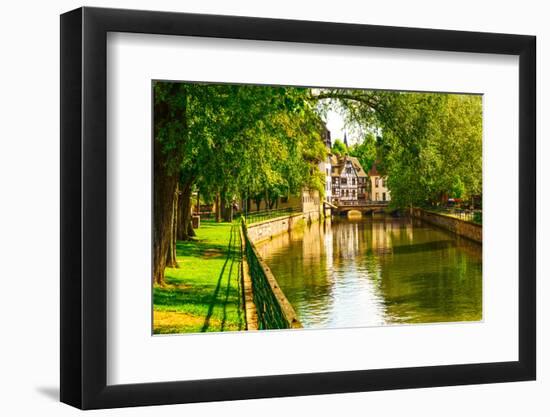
[[430, 145], [242, 140], [339, 148], [365, 151], [478, 217], [458, 189], [264, 142], [170, 128]]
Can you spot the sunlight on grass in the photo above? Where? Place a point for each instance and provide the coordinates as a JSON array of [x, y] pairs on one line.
[[203, 294]]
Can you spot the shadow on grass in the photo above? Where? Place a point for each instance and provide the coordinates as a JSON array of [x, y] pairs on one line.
[[199, 249], [234, 253], [197, 289], [218, 285], [175, 297]]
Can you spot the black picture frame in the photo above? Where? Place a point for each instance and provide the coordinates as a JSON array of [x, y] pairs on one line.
[[84, 207]]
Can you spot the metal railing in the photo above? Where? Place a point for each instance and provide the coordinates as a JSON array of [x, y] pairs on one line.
[[474, 216], [347, 203], [260, 216], [273, 309]]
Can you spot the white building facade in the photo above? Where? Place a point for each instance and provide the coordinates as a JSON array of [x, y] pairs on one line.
[[378, 186], [349, 180]]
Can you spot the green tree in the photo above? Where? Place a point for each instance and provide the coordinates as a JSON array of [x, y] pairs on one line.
[[430, 143], [338, 148], [432, 147], [170, 135], [228, 142], [365, 151]]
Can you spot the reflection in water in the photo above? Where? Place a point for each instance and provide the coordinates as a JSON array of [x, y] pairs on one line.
[[376, 271]]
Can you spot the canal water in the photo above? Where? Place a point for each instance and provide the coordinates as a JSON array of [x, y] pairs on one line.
[[377, 271]]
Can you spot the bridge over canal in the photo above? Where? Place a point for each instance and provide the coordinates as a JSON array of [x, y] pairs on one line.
[[364, 206]]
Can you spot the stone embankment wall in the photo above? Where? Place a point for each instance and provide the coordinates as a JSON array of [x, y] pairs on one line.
[[266, 306], [260, 231], [463, 228]]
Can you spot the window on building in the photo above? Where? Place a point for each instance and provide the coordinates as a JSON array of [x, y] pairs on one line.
[[383, 196], [376, 181], [348, 170], [353, 193], [344, 181], [377, 197], [353, 181]]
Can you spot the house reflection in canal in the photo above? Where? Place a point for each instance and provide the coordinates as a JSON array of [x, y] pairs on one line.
[[377, 271]]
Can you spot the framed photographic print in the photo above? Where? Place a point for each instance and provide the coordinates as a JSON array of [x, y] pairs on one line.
[[256, 207]]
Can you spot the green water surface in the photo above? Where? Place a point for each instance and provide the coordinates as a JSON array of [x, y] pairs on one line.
[[377, 271]]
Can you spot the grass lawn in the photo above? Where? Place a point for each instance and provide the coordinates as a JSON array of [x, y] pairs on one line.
[[203, 294]]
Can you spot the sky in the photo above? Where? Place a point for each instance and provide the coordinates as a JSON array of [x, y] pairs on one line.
[[335, 123]]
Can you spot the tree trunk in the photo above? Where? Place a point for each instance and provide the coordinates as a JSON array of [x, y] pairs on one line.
[[218, 208], [185, 223], [228, 213], [164, 185], [171, 259], [223, 208], [227, 208], [190, 231], [165, 178], [198, 206], [181, 213]]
